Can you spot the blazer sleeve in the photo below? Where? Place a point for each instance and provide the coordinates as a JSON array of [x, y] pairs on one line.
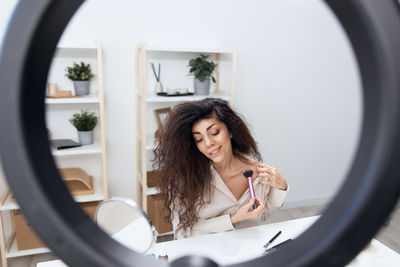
[[217, 224], [274, 199]]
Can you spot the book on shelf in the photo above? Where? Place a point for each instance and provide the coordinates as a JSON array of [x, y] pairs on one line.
[[63, 143]]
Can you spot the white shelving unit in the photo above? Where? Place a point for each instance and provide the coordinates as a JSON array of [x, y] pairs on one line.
[[14, 252], [163, 99], [82, 150], [91, 158], [80, 100], [174, 74]]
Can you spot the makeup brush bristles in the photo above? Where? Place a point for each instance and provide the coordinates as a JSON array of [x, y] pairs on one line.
[[248, 173]]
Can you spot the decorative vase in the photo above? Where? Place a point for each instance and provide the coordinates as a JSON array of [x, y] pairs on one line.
[[85, 137], [158, 88], [202, 88], [81, 87]]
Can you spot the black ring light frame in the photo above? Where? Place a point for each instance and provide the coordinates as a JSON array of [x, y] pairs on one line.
[[350, 221]]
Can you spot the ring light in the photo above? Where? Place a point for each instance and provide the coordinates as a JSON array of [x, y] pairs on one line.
[[350, 221]]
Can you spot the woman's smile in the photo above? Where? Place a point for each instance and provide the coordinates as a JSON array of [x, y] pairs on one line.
[[215, 152]]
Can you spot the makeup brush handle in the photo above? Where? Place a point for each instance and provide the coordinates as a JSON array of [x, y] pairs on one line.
[[255, 205], [251, 189]]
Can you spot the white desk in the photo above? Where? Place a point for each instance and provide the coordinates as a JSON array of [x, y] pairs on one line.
[[234, 246], [225, 249]]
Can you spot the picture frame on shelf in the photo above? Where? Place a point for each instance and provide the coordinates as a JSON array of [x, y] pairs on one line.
[[160, 115]]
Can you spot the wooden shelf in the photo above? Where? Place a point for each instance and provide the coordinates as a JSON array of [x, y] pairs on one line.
[[150, 146], [166, 233], [97, 196], [222, 50], [8, 205], [174, 99], [153, 191], [150, 141], [82, 150], [73, 100], [14, 252], [84, 51], [139, 179]]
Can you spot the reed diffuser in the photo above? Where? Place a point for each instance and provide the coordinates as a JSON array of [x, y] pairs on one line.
[[158, 88]]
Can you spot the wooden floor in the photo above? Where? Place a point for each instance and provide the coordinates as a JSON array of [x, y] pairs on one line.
[[389, 234]]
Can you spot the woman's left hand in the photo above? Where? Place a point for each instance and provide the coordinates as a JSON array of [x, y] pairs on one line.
[[270, 176]]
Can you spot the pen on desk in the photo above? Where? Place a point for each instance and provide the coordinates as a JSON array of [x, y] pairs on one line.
[[276, 246], [272, 239]]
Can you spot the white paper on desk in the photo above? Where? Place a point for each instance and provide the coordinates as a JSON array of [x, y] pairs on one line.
[[137, 235]]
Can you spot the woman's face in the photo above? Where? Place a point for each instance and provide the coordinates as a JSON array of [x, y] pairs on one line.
[[213, 139]]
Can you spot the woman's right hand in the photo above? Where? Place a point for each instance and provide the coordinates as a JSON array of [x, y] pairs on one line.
[[246, 212]]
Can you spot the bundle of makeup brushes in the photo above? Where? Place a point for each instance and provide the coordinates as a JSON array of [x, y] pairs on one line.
[[154, 71]]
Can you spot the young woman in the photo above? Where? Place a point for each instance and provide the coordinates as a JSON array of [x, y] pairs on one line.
[[201, 154]]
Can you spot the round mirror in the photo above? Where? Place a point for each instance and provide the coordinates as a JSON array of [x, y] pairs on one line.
[[127, 223]]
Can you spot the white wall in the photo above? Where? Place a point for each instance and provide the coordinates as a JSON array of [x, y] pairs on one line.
[[297, 81]]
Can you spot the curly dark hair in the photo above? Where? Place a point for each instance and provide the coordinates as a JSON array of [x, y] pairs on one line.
[[185, 174]]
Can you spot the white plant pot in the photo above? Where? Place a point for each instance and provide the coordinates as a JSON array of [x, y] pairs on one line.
[[85, 137], [201, 88], [81, 87]]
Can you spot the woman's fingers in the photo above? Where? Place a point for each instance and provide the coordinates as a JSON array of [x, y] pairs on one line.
[[246, 212], [262, 165], [266, 181], [273, 181], [260, 205], [265, 175], [264, 168], [270, 176], [266, 178], [259, 210], [250, 203]]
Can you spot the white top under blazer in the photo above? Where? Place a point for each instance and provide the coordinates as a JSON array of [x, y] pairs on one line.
[[214, 215]]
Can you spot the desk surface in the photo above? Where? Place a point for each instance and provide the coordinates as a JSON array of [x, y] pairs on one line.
[[235, 246], [224, 248]]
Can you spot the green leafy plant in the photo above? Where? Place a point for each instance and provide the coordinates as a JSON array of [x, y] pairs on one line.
[[201, 68], [79, 72], [84, 121]]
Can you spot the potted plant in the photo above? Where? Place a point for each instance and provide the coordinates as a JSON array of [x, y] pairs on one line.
[[80, 75], [84, 122], [202, 70]]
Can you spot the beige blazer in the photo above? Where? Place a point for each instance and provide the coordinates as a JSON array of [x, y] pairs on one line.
[[214, 216]]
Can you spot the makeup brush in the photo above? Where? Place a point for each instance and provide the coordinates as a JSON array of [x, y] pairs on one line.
[[248, 173]]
